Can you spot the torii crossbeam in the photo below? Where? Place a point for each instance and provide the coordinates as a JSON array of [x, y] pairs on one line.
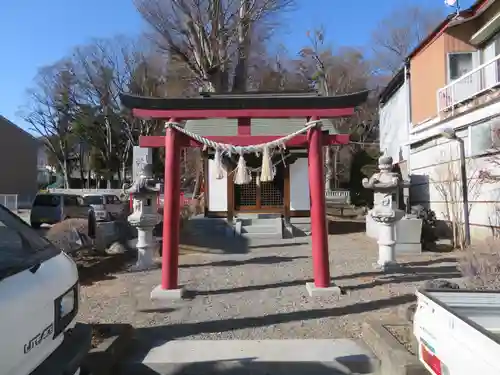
[[244, 107]]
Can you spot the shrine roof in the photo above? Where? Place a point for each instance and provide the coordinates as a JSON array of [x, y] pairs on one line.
[[252, 100]]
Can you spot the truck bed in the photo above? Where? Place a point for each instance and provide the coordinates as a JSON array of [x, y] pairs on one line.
[[458, 331], [481, 309]]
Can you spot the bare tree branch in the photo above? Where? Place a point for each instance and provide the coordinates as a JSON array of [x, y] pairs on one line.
[[400, 32], [208, 35]]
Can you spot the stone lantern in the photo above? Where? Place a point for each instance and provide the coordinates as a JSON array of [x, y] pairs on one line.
[[144, 216], [385, 184]]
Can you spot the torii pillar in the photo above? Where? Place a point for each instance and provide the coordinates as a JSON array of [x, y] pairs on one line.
[[321, 264], [169, 288]]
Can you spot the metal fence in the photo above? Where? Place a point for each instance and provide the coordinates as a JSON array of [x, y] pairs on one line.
[[338, 196], [86, 191], [9, 201]]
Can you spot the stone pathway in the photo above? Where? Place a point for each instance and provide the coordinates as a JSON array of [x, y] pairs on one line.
[[332, 357], [261, 295]]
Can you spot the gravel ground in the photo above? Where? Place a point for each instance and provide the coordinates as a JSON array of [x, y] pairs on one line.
[[262, 295]]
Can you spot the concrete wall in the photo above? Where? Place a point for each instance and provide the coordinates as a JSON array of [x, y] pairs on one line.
[[217, 190], [19, 153], [394, 122], [299, 186], [436, 175]]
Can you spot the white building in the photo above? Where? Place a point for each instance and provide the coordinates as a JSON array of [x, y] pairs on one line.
[[450, 81]]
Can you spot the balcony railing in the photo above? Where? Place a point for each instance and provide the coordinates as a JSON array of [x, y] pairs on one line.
[[485, 77]]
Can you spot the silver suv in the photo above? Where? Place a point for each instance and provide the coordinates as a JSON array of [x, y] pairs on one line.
[[107, 207], [51, 208]]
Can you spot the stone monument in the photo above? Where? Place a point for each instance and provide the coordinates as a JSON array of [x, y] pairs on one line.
[[144, 215], [384, 184]]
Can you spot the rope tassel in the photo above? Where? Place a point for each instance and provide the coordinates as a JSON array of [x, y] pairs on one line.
[[242, 176], [219, 171], [266, 173]]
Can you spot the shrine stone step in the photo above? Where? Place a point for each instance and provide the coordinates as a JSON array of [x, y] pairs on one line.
[[262, 228]]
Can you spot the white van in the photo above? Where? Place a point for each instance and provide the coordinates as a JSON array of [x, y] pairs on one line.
[[39, 296]]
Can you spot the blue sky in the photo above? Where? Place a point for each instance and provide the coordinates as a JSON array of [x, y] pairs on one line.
[[34, 33]]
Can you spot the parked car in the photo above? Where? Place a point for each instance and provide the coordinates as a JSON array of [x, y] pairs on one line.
[[107, 207], [39, 297], [51, 208]]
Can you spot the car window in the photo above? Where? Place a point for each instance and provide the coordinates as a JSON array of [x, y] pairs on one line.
[[112, 199], [70, 200], [20, 245], [93, 199], [47, 200]]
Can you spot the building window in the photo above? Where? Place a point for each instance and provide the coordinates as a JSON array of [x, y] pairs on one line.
[[490, 72], [459, 64], [485, 138]]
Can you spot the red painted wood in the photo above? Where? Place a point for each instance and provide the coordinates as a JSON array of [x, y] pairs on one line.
[[157, 141], [244, 126], [321, 265], [171, 209], [187, 114]]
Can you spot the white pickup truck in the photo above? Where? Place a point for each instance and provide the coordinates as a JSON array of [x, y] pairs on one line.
[[458, 331], [38, 304]]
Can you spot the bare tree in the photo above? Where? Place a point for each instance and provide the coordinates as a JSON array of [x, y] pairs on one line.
[[209, 36], [105, 68], [400, 32], [50, 111], [336, 72], [447, 182], [276, 72]]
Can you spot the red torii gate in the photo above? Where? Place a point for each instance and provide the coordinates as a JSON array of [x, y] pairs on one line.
[[244, 107]]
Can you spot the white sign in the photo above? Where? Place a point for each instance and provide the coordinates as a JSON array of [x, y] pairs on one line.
[[141, 156]]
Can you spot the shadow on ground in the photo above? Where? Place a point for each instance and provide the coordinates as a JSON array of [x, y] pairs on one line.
[[150, 337], [343, 226], [182, 330], [408, 273], [214, 244], [278, 245], [272, 259], [208, 235], [93, 266], [248, 366]]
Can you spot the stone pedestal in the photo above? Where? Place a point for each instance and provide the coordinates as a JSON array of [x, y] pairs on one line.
[[386, 237], [386, 245], [407, 234], [145, 242]]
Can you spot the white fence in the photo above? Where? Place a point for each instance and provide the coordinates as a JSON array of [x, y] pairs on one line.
[[9, 201], [485, 77], [86, 191], [338, 196]]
